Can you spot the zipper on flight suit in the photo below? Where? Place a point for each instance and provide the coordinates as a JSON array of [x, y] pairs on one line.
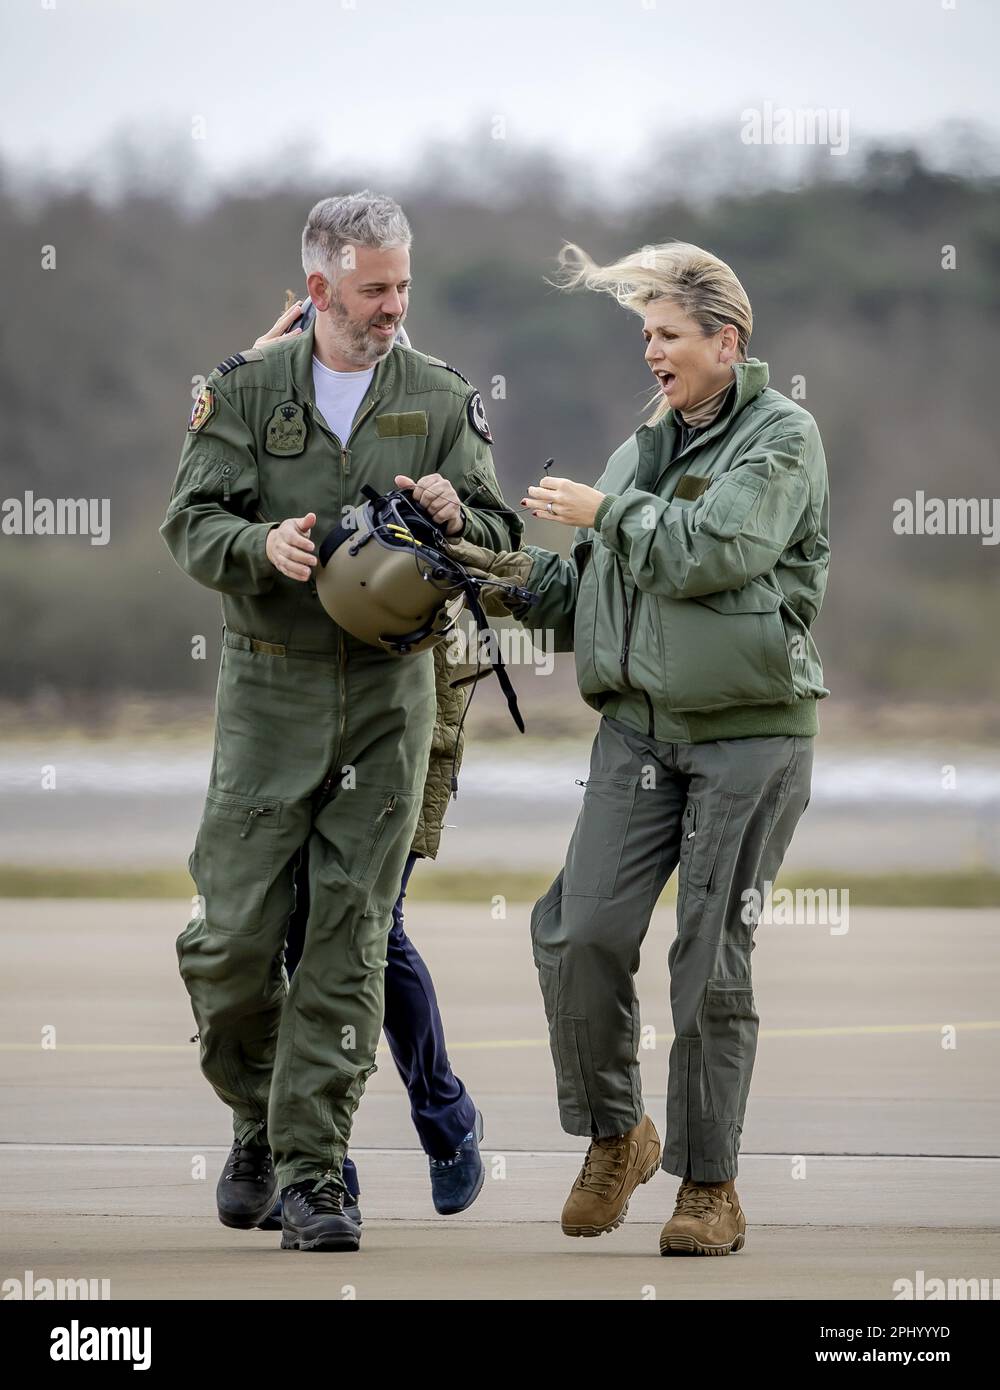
[[255, 812], [345, 448], [345, 458], [627, 639]]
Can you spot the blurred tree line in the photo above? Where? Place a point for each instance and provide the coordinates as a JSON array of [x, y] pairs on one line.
[[98, 357]]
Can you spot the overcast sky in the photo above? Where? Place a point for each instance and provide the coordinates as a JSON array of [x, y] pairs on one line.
[[594, 79]]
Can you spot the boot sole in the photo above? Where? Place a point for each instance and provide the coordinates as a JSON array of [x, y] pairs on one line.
[[613, 1225], [251, 1221], [345, 1243], [687, 1245]]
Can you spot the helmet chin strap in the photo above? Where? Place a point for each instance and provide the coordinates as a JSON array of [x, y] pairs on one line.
[[496, 661]]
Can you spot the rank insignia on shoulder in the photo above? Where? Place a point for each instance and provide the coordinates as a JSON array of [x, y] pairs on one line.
[[286, 430], [239, 359], [203, 408], [440, 362], [477, 417]]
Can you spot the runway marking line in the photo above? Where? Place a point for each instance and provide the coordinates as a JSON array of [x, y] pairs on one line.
[[840, 1031]]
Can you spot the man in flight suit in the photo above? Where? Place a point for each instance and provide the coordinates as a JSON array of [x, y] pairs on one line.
[[320, 739]]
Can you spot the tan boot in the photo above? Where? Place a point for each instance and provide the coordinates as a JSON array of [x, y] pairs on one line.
[[612, 1170], [707, 1220]]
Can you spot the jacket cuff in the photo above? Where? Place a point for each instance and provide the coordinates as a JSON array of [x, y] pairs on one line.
[[610, 498], [251, 548], [473, 530]]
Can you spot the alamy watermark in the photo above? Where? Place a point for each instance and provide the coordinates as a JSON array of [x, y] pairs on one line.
[[948, 516], [920, 1287], [797, 907], [33, 1288], [57, 516], [797, 125]]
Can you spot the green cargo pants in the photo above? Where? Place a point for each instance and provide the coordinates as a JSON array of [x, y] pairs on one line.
[[283, 722], [725, 813]]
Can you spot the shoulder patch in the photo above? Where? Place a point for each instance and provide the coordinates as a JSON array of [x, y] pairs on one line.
[[202, 410], [239, 359], [477, 416]]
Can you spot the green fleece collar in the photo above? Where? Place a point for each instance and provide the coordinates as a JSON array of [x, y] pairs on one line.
[[656, 442], [751, 378]]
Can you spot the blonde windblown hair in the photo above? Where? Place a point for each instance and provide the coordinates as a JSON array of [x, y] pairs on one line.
[[701, 285]]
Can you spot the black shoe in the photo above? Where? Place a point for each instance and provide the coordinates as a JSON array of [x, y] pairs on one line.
[[248, 1187], [352, 1209], [313, 1218]]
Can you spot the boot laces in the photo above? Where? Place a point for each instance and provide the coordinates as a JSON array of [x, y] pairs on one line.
[[322, 1199], [602, 1165], [698, 1201], [247, 1164]]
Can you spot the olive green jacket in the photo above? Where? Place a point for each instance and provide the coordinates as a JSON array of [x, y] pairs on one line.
[[262, 453], [258, 451], [447, 745], [689, 603]]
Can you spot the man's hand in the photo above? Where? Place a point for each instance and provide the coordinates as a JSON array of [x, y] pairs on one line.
[[562, 500], [289, 548], [439, 499]]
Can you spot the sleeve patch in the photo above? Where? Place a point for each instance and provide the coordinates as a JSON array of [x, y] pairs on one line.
[[203, 408], [477, 416]]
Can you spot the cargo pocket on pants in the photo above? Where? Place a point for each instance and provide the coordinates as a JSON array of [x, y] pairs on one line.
[[702, 836], [380, 866], [595, 850], [233, 859], [728, 1044]]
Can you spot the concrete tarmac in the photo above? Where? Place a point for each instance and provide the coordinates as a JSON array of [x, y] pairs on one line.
[[871, 1148]]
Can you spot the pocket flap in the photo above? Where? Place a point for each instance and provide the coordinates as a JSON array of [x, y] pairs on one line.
[[755, 597]]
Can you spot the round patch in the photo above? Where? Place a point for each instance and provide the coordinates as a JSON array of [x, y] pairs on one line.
[[477, 417], [203, 408]]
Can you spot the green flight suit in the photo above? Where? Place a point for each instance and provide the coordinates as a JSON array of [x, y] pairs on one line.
[[319, 737]]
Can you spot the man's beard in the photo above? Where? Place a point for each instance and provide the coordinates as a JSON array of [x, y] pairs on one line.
[[353, 337]]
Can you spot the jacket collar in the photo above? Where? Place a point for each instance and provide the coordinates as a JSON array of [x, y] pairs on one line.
[[300, 373], [656, 442]]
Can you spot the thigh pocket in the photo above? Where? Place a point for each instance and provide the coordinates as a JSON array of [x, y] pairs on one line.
[[595, 851], [701, 840], [233, 859], [388, 821], [729, 1044]]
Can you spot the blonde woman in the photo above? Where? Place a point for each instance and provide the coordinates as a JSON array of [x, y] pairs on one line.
[[698, 566]]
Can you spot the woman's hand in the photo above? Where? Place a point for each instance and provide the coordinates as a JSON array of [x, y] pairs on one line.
[[281, 325], [562, 500]]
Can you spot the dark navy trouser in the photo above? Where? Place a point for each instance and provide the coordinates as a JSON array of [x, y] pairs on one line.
[[442, 1109]]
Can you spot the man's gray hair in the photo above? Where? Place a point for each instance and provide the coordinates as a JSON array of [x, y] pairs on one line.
[[356, 219]]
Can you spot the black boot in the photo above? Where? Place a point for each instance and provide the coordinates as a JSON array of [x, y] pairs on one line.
[[248, 1187], [313, 1217]]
